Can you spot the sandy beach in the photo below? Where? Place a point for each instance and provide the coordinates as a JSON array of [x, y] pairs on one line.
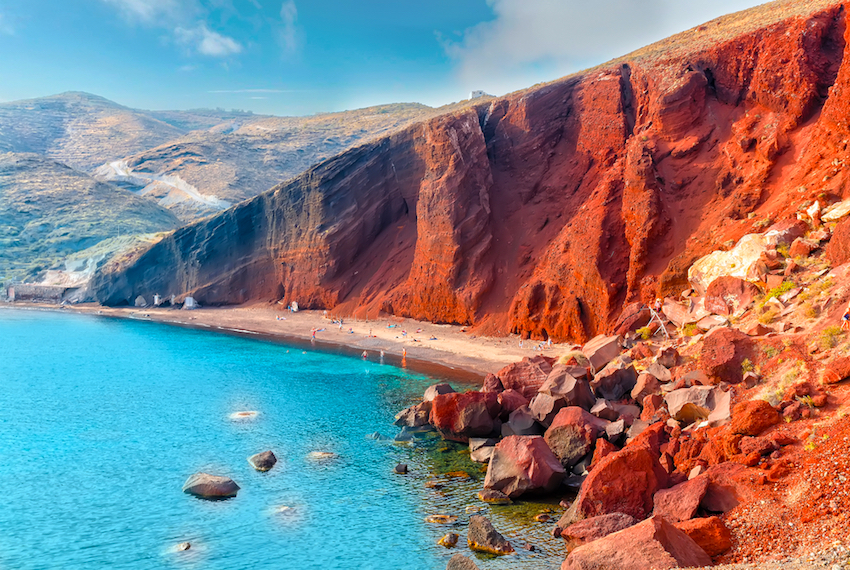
[[428, 347]]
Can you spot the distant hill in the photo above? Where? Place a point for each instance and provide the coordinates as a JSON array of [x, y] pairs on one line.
[[49, 211], [85, 131], [207, 171]]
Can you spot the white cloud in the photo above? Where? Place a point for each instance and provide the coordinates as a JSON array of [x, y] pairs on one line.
[[537, 40], [288, 31], [207, 42]]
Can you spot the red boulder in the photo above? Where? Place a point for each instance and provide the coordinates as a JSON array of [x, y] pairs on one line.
[[729, 295], [591, 529], [522, 464], [838, 250], [709, 533], [836, 371], [572, 435], [723, 351], [680, 502], [753, 417], [511, 400], [653, 543], [461, 416], [526, 376]]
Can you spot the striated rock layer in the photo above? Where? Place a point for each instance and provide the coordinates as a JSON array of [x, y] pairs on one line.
[[545, 212]]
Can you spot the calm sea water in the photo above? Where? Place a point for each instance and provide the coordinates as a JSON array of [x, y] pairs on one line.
[[101, 422]]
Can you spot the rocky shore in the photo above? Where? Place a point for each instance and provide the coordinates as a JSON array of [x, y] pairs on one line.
[[716, 435]]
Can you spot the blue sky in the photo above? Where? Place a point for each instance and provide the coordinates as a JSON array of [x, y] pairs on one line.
[[295, 57]]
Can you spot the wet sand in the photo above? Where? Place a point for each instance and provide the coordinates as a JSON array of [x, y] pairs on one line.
[[428, 346]]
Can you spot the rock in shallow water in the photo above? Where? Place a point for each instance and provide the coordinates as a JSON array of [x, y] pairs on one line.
[[263, 461], [461, 562], [208, 486], [483, 537]]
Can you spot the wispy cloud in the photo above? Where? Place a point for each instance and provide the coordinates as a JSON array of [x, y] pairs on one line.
[[184, 19], [288, 31], [533, 40], [207, 42]]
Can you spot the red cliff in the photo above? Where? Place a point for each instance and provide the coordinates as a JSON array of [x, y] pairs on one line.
[[546, 211]]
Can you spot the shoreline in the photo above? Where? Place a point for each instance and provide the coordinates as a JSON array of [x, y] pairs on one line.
[[434, 349]]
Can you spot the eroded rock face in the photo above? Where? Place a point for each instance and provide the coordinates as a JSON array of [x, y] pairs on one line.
[[597, 191], [653, 543], [522, 464]]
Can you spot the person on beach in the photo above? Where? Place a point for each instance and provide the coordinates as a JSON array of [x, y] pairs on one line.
[[365, 354], [313, 333]]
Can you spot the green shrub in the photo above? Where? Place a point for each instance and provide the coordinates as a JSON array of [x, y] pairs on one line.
[[768, 315], [747, 366], [644, 332], [829, 337], [690, 329]]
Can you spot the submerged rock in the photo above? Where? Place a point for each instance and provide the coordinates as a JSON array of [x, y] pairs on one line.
[[208, 486], [494, 497], [449, 540], [483, 537], [461, 562], [263, 461]]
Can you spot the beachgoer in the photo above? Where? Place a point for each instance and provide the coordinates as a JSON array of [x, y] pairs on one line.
[[313, 333], [365, 354], [658, 304], [403, 352]]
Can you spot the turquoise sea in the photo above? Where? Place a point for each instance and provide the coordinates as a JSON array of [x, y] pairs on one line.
[[102, 420]]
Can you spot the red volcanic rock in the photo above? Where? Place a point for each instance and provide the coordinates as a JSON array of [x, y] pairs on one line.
[[668, 358], [722, 353], [435, 390], [561, 384], [653, 543], [633, 317], [623, 482], [522, 464], [492, 383], [601, 350], [544, 408], [414, 416], [838, 249], [730, 295], [572, 435], [461, 416], [836, 371], [709, 533], [521, 422], [603, 449], [526, 376], [753, 417], [614, 383], [651, 406], [588, 530], [680, 502], [544, 212], [802, 247], [510, 400], [646, 385]]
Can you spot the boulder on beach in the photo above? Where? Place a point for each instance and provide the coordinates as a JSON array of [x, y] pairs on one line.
[[263, 461], [572, 435], [680, 502], [435, 390], [461, 416], [709, 533], [522, 464], [140, 302], [483, 537], [653, 543], [526, 376], [600, 350], [521, 422], [560, 384], [208, 486], [594, 528], [414, 416], [613, 382]]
